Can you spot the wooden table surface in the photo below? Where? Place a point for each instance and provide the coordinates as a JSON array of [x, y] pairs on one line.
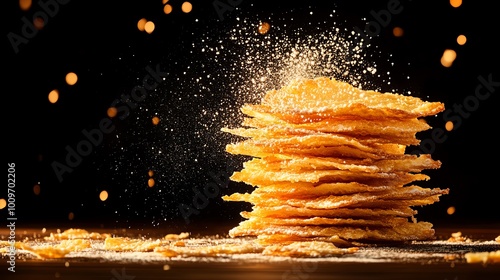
[[419, 260]]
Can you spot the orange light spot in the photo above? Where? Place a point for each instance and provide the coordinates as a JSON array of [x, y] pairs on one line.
[[150, 173], [167, 9], [448, 57], [25, 4], [149, 27], [155, 120], [71, 78], [3, 203], [141, 23], [164, 2], [112, 111], [151, 182], [451, 210], [36, 189], [71, 216], [461, 40], [186, 7], [103, 195], [397, 31], [53, 96], [449, 125], [455, 3], [38, 23], [264, 27]]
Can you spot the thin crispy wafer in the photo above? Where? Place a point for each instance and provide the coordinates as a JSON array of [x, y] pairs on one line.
[[250, 149], [300, 190], [335, 98], [76, 233], [258, 130], [335, 203], [407, 163], [283, 239], [123, 244], [317, 146], [265, 128], [259, 177], [406, 232], [59, 250], [286, 211], [411, 196], [210, 250], [388, 193], [262, 222], [483, 257], [362, 127], [308, 249]]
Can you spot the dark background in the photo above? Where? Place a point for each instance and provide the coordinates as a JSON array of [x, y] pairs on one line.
[[101, 43]]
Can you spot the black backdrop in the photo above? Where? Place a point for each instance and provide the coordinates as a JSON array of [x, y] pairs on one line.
[[101, 43]]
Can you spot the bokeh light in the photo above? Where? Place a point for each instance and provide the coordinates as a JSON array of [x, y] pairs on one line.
[[111, 112], [141, 23], [397, 31], [155, 120], [455, 3], [167, 9], [103, 195], [461, 40], [149, 27], [38, 23], [449, 125], [71, 216], [264, 27], [150, 173], [164, 2], [25, 4], [448, 57], [71, 78], [151, 182], [53, 96], [3, 203], [36, 189], [186, 7], [451, 210]]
